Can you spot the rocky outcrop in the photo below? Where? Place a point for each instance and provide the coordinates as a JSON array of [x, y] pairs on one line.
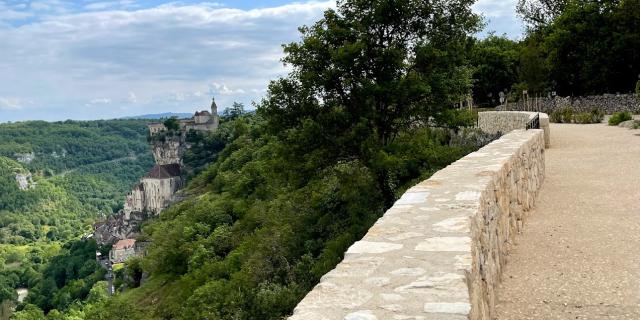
[[439, 251], [25, 181], [168, 149]]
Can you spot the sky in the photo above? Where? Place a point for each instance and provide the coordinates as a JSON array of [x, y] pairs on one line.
[[96, 59]]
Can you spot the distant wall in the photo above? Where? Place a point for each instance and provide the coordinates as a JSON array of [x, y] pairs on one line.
[[609, 103], [439, 251], [507, 121]]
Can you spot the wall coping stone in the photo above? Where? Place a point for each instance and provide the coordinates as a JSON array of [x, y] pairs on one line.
[[438, 251]]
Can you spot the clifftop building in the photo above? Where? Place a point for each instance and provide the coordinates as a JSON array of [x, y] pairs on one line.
[[157, 189], [201, 121]]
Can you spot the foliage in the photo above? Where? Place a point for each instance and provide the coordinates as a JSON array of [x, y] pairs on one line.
[[581, 41], [567, 115], [172, 124], [68, 277], [496, 61], [619, 117], [329, 149], [81, 170], [235, 111], [638, 88], [366, 71], [539, 13]]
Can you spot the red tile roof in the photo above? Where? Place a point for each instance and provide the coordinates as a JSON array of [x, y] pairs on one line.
[[124, 244]]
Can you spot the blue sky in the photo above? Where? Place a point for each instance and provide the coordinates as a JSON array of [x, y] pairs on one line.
[[96, 59]]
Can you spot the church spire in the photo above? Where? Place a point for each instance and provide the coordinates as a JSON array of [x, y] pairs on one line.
[[214, 107]]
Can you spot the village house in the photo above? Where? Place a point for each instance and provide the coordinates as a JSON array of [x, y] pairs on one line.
[[122, 250]]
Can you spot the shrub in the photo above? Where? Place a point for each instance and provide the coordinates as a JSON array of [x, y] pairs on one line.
[[597, 115], [619, 117], [583, 117], [562, 116], [568, 116], [555, 117]]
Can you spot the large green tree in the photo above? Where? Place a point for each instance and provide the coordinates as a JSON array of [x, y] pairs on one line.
[[365, 72], [495, 60], [594, 47]]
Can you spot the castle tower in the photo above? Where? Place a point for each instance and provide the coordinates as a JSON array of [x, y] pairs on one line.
[[214, 114], [214, 107]]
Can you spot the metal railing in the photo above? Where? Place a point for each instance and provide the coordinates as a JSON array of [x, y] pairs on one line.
[[534, 123]]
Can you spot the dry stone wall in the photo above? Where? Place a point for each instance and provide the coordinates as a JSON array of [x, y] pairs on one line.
[[507, 121], [438, 252], [609, 103]]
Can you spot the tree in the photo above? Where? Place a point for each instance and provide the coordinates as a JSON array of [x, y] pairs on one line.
[[495, 60], [593, 47], [235, 111], [172, 124], [539, 13], [366, 71]]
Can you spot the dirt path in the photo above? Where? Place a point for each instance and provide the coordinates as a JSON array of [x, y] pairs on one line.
[[579, 256]]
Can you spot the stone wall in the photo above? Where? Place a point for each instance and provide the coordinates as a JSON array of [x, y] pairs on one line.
[[507, 121], [609, 103], [438, 252]]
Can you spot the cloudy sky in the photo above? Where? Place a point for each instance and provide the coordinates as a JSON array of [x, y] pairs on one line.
[[91, 59]]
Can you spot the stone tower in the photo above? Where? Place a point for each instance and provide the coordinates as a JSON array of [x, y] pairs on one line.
[[214, 107]]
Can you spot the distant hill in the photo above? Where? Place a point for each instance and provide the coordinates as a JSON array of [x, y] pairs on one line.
[[160, 116]]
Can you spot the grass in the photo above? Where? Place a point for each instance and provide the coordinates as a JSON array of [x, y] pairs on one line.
[[620, 117]]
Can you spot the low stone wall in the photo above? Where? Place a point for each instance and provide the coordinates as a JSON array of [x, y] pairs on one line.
[[438, 252], [507, 121], [608, 103]]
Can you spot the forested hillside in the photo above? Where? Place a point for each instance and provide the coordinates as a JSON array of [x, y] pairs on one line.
[[78, 172], [275, 197]]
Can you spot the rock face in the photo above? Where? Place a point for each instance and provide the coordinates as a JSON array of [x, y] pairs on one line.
[[168, 151], [25, 181], [438, 252]]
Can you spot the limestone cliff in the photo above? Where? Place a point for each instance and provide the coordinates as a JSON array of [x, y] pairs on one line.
[[156, 191], [168, 149]]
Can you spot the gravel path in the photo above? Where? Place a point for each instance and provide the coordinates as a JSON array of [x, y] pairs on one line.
[[579, 254]]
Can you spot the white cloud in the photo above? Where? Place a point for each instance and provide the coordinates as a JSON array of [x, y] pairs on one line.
[[222, 89], [170, 57], [132, 98], [12, 103], [165, 54], [98, 101]]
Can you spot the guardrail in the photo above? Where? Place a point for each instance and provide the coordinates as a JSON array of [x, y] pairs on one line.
[[534, 123]]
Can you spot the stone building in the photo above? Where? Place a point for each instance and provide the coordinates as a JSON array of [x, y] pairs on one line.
[[155, 190], [122, 250], [158, 188], [201, 121]]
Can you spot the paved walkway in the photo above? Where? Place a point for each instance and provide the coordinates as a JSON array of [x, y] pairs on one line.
[[579, 254]]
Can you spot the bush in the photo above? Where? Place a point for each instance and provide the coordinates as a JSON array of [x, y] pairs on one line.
[[583, 117], [619, 117], [568, 116]]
